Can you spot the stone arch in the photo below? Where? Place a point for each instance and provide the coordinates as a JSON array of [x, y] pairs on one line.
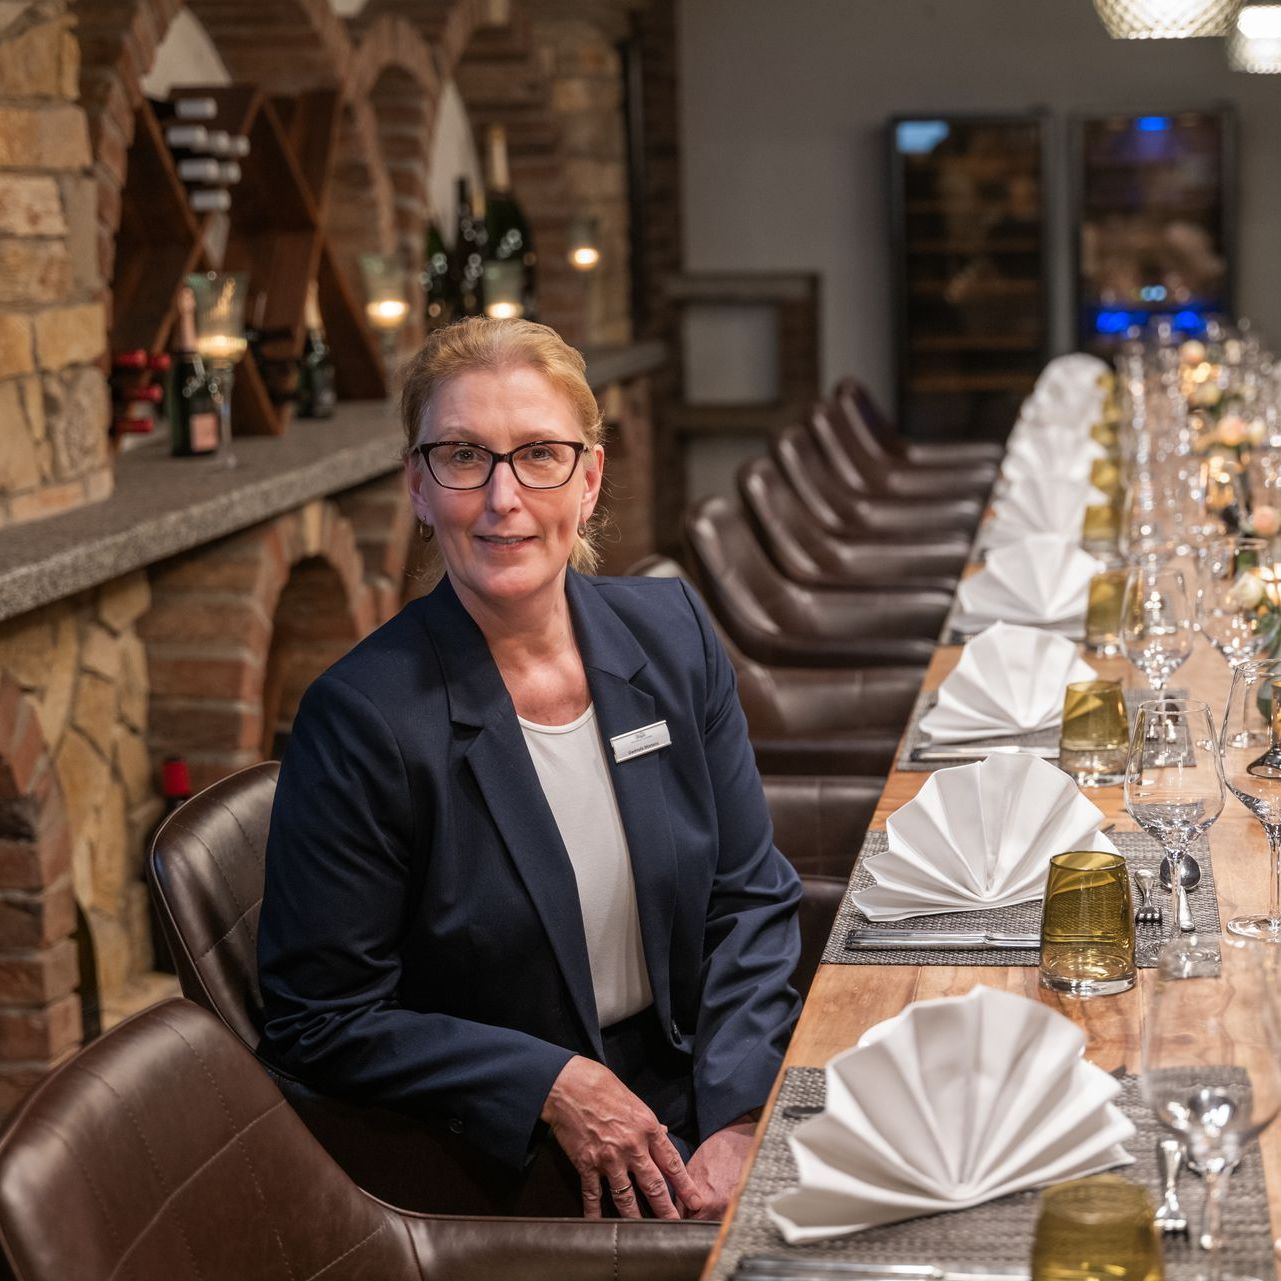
[[215, 658], [39, 970]]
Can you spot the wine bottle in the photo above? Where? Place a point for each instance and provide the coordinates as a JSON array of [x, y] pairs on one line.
[[175, 786], [316, 394], [510, 261], [192, 107], [439, 295], [193, 411], [468, 257], [199, 169], [210, 200]]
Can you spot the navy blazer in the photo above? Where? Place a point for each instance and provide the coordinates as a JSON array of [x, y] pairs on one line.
[[421, 942]]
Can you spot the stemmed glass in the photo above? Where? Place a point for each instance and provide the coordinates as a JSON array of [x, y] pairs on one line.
[[1220, 1087], [1156, 625], [1145, 535], [221, 341], [1174, 778], [1251, 745], [1235, 578]]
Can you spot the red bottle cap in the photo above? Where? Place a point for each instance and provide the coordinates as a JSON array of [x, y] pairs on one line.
[[160, 362], [129, 359], [175, 779]]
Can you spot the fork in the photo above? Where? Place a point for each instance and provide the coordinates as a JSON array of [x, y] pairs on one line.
[[1148, 913]]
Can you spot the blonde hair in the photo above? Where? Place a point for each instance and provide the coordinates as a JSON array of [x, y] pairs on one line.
[[484, 343]]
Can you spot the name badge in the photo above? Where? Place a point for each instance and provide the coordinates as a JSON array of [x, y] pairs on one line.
[[636, 742]]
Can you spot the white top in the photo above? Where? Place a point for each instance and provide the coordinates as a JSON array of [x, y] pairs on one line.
[[571, 766]]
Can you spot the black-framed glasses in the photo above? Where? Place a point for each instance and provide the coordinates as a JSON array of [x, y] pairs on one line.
[[462, 464]]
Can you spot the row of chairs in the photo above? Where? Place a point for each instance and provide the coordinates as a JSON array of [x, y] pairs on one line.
[[829, 579]]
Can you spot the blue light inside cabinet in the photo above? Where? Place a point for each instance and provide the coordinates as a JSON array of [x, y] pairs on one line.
[[1116, 320], [919, 137], [1189, 321], [1153, 124]]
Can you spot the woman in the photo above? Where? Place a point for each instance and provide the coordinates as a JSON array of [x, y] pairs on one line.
[[520, 868]]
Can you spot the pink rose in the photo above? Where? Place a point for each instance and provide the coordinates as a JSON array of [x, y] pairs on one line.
[[1266, 521]]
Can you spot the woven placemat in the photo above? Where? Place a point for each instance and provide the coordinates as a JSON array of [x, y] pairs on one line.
[[914, 737], [999, 1233], [1140, 851]]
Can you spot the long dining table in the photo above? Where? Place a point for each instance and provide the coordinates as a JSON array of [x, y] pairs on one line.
[[845, 1000]]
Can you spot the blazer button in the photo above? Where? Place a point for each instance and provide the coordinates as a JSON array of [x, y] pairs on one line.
[[456, 1125], [676, 1032]]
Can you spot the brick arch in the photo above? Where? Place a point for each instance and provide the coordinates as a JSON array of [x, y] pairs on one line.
[[215, 631], [393, 70], [386, 533], [502, 81], [39, 969]]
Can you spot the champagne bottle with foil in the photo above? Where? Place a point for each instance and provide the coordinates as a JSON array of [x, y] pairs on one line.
[[193, 411], [316, 393], [510, 261]]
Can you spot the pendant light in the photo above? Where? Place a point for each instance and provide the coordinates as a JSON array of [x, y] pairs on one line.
[[1166, 19], [1255, 42]]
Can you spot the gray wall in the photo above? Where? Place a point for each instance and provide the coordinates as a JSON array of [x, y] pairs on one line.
[[783, 109]]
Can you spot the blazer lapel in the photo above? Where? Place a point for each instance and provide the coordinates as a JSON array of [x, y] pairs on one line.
[[613, 657], [505, 774]]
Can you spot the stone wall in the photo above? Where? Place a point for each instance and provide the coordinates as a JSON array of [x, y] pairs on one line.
[[54, 408]]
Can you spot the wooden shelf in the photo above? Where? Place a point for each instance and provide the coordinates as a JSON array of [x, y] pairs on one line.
[[984, 342], [980, 288], [1032, 245], [721, 420], [273, 233]]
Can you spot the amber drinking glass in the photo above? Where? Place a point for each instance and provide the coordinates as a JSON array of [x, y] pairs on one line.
[[1096, 1229], [1099, 528], [1087, 925], [1103, 612], [1095, 733]]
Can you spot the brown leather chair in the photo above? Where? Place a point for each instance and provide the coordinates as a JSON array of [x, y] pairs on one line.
[[813, 720], [930, 453], [205, 871], [808, 554], [855, 514], [163, 1152], [857, 468], [776, 621]]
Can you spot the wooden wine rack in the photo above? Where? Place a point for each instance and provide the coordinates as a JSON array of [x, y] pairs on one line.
[[275, 234]]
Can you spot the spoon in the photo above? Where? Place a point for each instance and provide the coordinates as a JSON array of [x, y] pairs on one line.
[[1188, 880]]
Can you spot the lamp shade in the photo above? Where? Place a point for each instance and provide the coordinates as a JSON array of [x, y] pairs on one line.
[[1255, 42], [1166, 19]]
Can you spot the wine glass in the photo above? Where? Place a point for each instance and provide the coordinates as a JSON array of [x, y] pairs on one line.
[[1235, 579], [1145, 536], [1251, 745], [1212, 1056], [1174, 777], [220, 340], [1156, 625]]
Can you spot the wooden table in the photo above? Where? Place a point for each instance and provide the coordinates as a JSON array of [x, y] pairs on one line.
[[845, 1000]]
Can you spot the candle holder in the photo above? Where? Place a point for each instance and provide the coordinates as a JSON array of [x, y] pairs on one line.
[[584, 244], [387, 304], [503, 288], [220, 341]]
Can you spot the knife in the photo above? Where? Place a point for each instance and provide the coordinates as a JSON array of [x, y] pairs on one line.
[[871, 939], [763, 1268], [976, 751]]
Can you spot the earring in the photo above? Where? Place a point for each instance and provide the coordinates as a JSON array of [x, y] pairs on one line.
[[582, 529], [425, 531]]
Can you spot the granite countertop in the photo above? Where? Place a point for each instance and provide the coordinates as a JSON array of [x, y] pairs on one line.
[[164, 505]]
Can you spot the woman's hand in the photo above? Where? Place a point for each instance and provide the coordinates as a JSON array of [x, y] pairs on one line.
[[615, 1140], [717, 1166]]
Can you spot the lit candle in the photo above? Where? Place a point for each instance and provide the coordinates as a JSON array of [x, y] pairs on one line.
[[223, 348], [504, 310], [387, 313], [585, 257]]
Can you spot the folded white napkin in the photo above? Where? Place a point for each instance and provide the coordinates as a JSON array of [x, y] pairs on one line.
[[949, 1104], [1041, 579], [1076, 370], [1008, 680], [978, 836], [1072, 466], [1040, 504]]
